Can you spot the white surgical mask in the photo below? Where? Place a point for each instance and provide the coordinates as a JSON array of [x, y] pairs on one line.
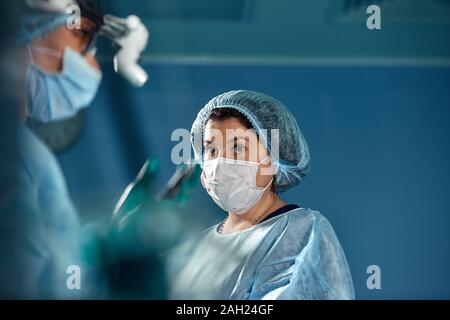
[[232, 183]]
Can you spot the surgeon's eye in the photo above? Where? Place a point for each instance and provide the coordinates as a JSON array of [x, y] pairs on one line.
[[238, 148], [82, 33], [211, 151], [239, 151]]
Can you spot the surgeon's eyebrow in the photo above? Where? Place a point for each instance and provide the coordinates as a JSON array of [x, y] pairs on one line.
[[234, 139], [206, 142]]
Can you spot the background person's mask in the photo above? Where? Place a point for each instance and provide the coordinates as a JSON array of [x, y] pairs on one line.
[[232, 183], [56, 96]]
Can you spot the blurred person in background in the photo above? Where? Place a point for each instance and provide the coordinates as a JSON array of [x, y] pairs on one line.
[[41, 243]]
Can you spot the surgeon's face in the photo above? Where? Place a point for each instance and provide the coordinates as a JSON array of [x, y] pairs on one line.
[[60, 39], [229, 138]]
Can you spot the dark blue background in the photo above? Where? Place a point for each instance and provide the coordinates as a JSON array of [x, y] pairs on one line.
[[379, 141]]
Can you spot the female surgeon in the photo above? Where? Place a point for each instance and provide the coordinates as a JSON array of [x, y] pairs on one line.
[[251, 149]]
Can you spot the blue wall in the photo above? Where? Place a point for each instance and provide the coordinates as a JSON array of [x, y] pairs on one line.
[[379, 140]]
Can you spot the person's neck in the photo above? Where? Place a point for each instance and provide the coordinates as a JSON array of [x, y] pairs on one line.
[[268, 203]]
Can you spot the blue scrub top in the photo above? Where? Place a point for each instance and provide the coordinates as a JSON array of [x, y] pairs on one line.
[[292, 255], [39, 225]]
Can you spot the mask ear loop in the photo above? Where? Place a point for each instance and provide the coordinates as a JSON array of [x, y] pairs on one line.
[[30, 54], [46, 51], [268, 185], [262, 162]]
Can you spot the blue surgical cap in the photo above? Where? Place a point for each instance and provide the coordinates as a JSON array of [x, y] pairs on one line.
[[264, 113], [36, 24]]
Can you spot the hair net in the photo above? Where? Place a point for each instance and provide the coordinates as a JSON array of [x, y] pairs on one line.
[[264, 113], [37, 24]]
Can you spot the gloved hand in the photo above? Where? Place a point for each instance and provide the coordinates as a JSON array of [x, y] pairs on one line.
[[131, 36], [142, 228], [143, 221]]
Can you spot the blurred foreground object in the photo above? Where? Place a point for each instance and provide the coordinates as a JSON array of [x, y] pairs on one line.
[[143, 227]]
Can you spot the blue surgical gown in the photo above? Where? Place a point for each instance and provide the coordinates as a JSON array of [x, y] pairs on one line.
[[38, 222], [295, 255]]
